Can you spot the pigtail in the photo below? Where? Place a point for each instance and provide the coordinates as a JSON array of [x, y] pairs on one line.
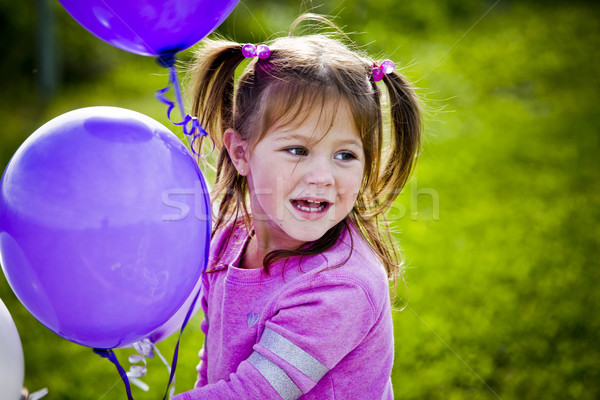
[[406, 126], [212, 103], [404, 147], [405, 142], [213, 86], [389, 172]]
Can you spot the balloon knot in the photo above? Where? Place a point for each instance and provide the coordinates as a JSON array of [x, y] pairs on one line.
[[104, 353], [166, 60]]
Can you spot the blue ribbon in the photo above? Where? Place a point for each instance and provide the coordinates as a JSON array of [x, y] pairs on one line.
[[108, 353], [189, 124]]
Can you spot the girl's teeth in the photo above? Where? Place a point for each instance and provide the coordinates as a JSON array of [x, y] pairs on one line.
[[320, 206]]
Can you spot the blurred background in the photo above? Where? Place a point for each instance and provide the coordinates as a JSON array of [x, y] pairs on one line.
[[498, 226]]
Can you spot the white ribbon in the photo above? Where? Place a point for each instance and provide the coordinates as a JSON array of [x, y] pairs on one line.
[[145, 349], [38, 395]]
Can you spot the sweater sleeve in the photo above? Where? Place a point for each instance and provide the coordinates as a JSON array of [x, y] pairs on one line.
[[314, 326]]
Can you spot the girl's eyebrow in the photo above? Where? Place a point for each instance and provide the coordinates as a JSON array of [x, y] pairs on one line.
[[283, 137], [352, 142]]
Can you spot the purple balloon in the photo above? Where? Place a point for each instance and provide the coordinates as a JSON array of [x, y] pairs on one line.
[[174, 323], [150, 27], [104, 225]]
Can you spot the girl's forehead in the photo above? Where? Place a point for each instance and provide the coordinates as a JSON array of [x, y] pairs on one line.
[[290, 106], [331, 120], [311, 118]]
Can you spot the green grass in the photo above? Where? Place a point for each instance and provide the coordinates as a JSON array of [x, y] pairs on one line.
[[502, 285], [499, 225]]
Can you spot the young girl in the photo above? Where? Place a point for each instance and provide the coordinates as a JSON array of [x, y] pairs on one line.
[[296, 295]]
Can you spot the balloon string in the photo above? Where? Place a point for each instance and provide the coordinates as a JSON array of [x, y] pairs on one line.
[[175, 82], [191, 127], [108, 353], [176, 352]]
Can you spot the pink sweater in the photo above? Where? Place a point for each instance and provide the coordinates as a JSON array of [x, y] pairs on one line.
[[302, 332]]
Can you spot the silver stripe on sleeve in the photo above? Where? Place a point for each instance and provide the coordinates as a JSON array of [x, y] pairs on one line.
[[293, 354], [277, 377]]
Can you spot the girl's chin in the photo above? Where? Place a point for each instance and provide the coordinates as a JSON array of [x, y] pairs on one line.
[[294, 231], [304, 235], [292, 237]]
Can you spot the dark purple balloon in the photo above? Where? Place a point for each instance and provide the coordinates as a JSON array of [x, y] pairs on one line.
[[150, 27], [104, 225]]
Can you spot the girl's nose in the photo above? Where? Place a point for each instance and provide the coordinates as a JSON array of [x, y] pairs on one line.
[[320, 174]]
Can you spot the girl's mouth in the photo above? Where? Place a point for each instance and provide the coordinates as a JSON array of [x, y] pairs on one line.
[[312, 206]]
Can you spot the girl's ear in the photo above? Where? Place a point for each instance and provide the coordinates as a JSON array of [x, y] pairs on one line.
[[238, 151]]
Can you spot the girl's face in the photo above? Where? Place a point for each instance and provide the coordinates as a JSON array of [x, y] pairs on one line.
[[304, 178]]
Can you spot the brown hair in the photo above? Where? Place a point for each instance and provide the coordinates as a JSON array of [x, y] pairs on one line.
[[303, 72]]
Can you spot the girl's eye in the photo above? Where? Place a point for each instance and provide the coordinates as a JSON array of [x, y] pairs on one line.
[[345, 156], [297, 151]]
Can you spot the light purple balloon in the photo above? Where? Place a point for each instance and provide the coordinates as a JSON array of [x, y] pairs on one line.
[[104, 225], [173, 325], [150, 27]]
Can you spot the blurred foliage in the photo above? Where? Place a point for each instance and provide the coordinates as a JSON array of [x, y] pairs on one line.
[[499, 225]]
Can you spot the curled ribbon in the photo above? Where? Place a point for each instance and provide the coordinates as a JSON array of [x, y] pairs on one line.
[[144, 350], [191, 127]]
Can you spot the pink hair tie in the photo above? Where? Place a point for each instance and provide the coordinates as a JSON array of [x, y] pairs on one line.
[[251, 50], [386, 68]]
